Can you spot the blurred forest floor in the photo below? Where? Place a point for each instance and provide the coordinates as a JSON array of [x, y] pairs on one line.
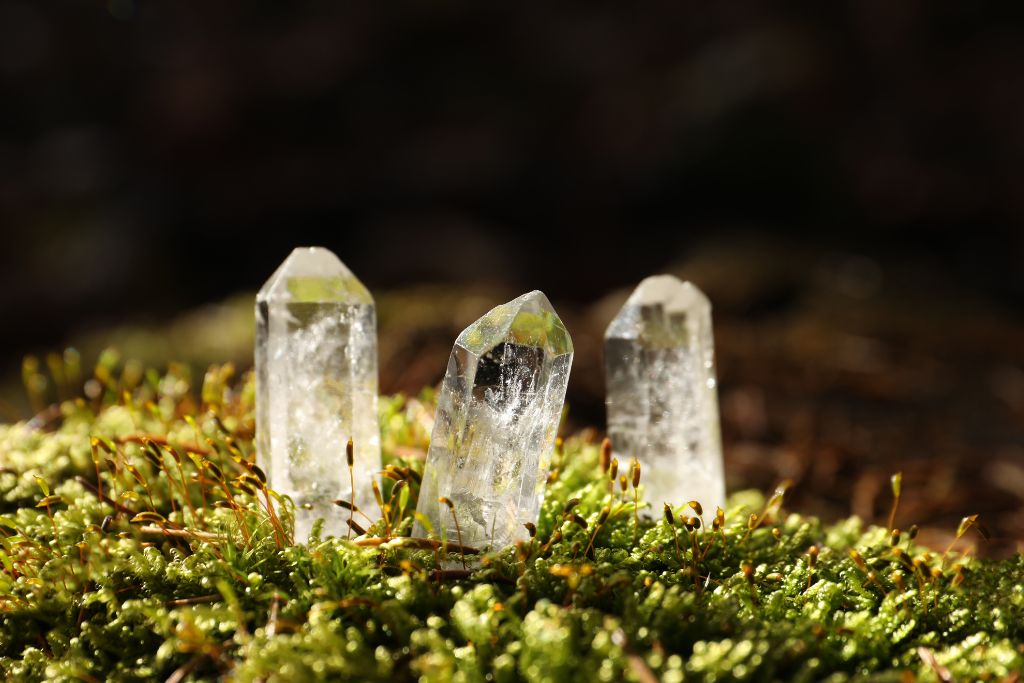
[[834, 373]]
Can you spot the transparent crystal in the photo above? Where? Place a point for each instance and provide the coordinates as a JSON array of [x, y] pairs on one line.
[[497, 419], [661, 392], [316, 387]]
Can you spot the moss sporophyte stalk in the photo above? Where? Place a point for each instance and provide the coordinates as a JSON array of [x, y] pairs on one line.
[[141, 542]]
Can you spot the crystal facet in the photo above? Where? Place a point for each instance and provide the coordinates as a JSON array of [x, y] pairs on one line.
[[497, 419], [316, 387], [661, 392]]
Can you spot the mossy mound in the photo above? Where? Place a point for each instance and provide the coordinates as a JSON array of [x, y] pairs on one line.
[[139, 543]]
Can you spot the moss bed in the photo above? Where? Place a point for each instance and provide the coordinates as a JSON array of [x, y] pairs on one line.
[[139, 543]]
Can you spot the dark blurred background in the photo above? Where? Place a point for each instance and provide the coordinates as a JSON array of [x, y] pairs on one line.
[[844, 181]]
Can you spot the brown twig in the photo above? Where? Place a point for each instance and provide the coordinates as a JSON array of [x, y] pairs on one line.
[[182, 533], [198, 600], [182, 672], [928, 657], [416, 543], [45, 417], [450, 574], [141, 439], [104, 497]]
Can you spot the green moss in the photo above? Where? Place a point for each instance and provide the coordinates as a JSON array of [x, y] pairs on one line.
[[601, 594]]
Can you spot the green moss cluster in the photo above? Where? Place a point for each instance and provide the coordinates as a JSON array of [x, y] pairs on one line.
[[192, 574]]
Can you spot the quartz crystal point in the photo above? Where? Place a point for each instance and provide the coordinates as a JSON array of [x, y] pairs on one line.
[[661, 393], [497, 419], [316, 387]]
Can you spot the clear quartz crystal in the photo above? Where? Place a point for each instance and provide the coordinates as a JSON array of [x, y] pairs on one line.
[[497, 419], [661, 393], [316, 387]]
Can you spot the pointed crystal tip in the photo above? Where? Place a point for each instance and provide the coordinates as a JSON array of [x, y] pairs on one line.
[[529, 320], [313, 274], [671, 292], [670, 295]]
